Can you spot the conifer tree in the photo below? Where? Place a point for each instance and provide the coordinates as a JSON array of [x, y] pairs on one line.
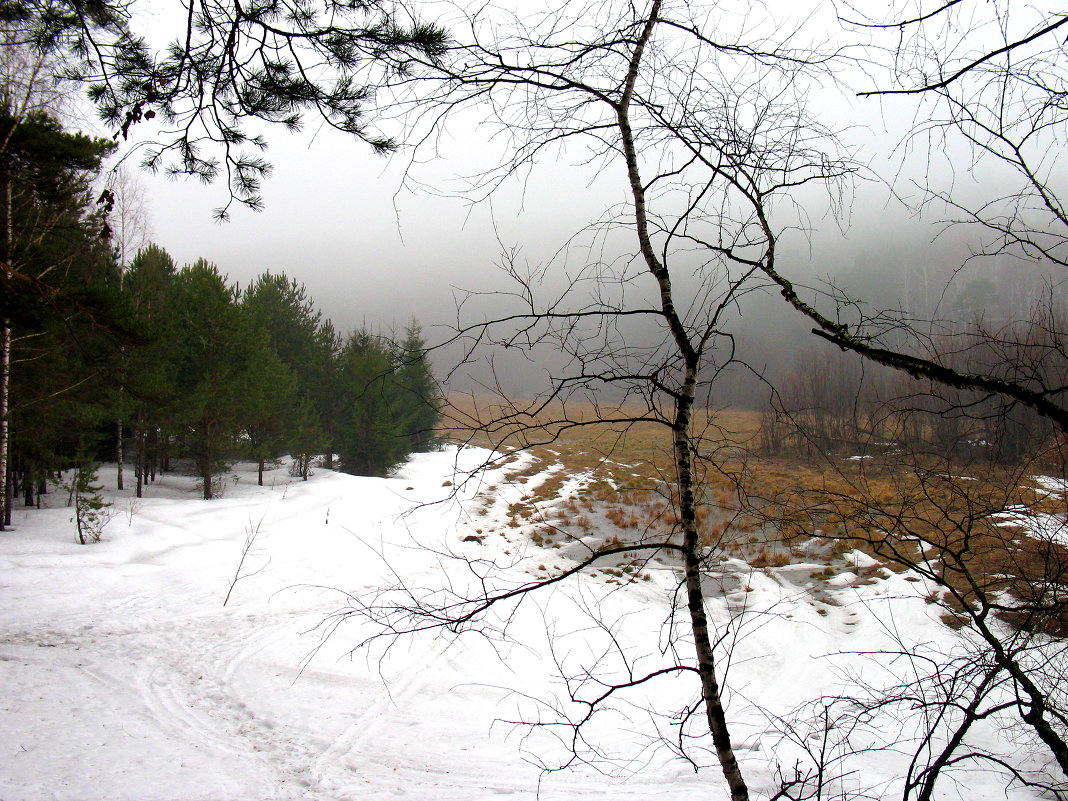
[[217, 348], [271, 406], [372, 437], [57, 295], [307, 437], [388, 402], [149, 380], [419, 389]]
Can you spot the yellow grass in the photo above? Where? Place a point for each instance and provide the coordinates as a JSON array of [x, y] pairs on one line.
[[770, 512]]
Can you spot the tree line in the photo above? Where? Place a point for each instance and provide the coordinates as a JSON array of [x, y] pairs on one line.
[[150, 362], [832, 401]]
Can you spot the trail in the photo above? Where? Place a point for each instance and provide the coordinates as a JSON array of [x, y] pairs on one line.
[[124, 677]]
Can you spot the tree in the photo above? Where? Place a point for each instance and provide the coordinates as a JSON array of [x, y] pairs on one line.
[[217, 353], [91, 511], [307, 437], [25, 90], [308, 347], [149, 381], [270, 408], [130, 217], [281, 308], [129, 224], [230, 65], [58, 293], [707, 126], [327, 396], [985, 81], [419, 390], [1000, 98], [374, 428]]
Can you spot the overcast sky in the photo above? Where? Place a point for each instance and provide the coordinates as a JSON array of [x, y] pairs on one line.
[[334, 219]]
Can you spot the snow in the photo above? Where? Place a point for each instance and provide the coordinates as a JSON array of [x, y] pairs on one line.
[[125, 677], [1053, 485], [1040, 525]]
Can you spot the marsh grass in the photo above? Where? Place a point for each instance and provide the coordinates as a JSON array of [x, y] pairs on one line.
[[932, 516]]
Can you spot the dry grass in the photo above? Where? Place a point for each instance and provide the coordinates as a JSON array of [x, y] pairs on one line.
[[773, 512]]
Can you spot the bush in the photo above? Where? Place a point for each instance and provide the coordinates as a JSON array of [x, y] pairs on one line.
[[91, 511]]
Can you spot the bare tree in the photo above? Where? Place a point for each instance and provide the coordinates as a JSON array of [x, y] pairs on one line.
[[985, 81], [131, 217], [709, 130], [990, 551], [130, 223]]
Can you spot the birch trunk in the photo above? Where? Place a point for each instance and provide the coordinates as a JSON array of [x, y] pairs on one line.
[[684, 455]]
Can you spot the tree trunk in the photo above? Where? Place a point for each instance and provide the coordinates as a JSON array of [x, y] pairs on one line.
[[9, 491], [691, 357], [260, 465], [695, 597], [118, 454], [140, 462], [207, 454], [5, 362], [5, 380]]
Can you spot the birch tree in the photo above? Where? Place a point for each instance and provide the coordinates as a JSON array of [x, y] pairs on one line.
[[705, 124]]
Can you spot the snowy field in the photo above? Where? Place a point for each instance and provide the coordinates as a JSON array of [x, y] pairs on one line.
[[124, 677]]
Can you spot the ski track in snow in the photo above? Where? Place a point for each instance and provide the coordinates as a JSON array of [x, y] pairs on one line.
[[125, 678]]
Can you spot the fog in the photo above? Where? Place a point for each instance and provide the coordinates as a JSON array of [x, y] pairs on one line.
[[379, 241]]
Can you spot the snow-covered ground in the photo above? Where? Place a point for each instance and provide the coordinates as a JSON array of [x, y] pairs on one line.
[[123, 676]]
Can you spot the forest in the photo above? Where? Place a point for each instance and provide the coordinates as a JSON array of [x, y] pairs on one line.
[[144, 363]]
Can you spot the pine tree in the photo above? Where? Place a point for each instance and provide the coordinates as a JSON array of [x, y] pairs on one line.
[[58, 297], [216, 351], [307, 438], [231, 65], [270, 408], [303, 342], [150, 387]]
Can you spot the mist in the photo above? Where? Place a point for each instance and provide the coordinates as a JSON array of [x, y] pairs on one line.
[[382, 241]]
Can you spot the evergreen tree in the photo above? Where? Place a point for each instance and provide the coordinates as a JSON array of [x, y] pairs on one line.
[[150, 387], [308, 437], [232, 64], [304, 343], [388, 402], [326, 392], [271, 406], [371, 433], [217, 347], [420, 391], [281, 308], [58, 297]]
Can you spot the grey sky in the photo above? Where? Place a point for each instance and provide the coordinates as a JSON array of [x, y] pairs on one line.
[[334, 219]]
